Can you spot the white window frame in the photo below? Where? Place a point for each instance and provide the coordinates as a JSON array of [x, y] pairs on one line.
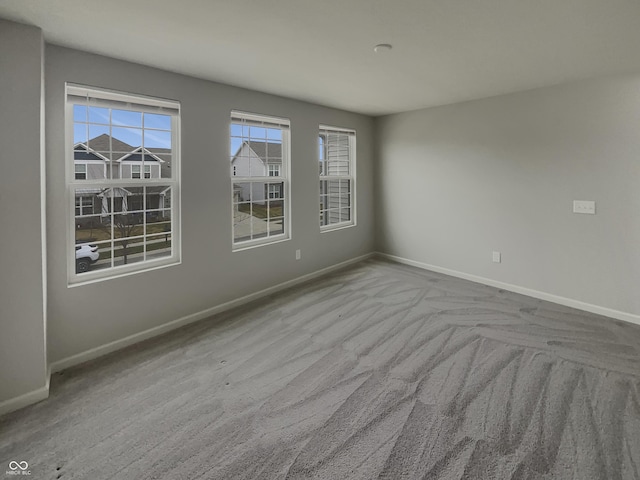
[[265, 121], [82, 95], [323, 147]]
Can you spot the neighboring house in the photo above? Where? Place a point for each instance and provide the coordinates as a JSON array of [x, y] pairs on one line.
[[257, 159], [91, 162]]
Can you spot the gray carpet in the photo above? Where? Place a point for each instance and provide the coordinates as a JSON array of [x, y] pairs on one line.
[[379, 371]]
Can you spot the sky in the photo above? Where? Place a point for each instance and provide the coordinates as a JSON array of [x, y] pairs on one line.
[[127, 126], [133, 127]]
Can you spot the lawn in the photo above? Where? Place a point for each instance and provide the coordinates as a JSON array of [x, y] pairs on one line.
[[103, 232], [262, 211], [106, 254]]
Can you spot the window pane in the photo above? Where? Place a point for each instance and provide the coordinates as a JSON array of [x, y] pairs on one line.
[[126, 118], [127, 251], [158, 223], [242, 222], [241, 192], [276, 226], [90, 225], [91, 256], [236, 143], [274, 134], [258, 132], [259, 227], [157, 139], [236, 130], [153, 120], [337, 154], [164, 164], [99, 115], [79, 113], [275, 208], [80, 133], [128, 139], [158, 246], [99, 137]]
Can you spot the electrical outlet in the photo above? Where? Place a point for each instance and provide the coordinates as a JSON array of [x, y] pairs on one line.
[[298, 255], [584, 206], [497, 257]]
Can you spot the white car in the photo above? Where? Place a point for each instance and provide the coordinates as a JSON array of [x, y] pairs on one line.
[[86, 255]]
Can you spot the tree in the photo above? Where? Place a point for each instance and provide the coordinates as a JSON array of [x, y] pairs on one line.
[[125, 224]]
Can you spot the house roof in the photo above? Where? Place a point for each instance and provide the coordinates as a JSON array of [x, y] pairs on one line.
[[269, 152], [81, 152], [103, 144], [138, 154], [106, 143]]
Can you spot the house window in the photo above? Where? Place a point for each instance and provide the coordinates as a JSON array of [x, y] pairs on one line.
[[274, 170], [336, 153], [274, 190], [119, 222], [135, 171], [259, 158], [80, 171], [84, 206]]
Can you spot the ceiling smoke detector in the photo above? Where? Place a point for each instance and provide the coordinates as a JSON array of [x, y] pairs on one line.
[[382, 47]]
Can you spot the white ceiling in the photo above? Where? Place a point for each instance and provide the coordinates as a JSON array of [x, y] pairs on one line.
[[444, 51]]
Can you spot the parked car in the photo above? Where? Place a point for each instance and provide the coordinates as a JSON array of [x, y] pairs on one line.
[[86, 255]]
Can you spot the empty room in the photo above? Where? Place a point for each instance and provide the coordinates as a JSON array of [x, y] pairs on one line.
[[361, 239]]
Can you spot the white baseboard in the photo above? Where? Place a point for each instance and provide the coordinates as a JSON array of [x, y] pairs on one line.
[[567, 302], [194, 317], [26, 399]]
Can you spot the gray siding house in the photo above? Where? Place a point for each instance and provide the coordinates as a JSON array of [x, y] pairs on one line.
[[105, 157]]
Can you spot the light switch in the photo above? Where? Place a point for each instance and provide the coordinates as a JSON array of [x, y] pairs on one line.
[[584, 206], [497, 257]]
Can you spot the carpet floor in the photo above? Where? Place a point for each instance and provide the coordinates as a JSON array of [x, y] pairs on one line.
[[379, 371]]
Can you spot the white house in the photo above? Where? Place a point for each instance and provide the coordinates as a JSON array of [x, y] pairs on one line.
[[257, 159]]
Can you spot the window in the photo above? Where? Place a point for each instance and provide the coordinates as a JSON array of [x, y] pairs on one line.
[[337, 153], [274, 170], [259, 157], [135, 171], [118, 221], [274, 190], [81, 171], [84, 206]]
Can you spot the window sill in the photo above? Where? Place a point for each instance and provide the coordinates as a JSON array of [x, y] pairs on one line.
[[96, 277], [250, 246], [333, 228]]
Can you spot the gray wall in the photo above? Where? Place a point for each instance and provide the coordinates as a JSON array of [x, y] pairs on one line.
[[455, 183], [89, 316], [22, 311]]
